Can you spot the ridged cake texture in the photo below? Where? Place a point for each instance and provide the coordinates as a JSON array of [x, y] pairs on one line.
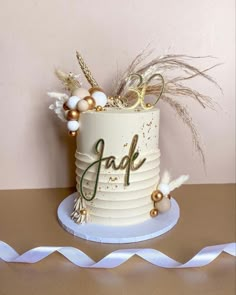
[[115, 202]]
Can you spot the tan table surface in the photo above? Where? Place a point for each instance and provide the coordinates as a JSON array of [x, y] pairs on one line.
[[28, 219]]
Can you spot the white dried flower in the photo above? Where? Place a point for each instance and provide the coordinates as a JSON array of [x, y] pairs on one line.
[[57, 106], [166, 185]]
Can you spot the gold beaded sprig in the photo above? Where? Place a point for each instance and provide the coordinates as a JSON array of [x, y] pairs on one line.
[[86, 70]]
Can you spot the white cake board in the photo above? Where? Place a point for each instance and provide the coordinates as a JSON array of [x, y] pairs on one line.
[[149, 229]]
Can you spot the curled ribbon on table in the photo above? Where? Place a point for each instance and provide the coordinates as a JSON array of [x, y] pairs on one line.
[[116, 258]]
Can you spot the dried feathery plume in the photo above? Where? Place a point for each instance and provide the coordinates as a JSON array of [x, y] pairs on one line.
[[69, 80], [178, 182], [176, 70], [122, 81], [165, 177], [86, 70], [116, 102]]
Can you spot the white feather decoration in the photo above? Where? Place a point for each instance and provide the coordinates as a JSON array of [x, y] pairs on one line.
[[165, 177], [166, 185], [57, 106], [178, 182]]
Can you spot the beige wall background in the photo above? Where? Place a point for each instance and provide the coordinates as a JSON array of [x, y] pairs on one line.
[[37, 36]]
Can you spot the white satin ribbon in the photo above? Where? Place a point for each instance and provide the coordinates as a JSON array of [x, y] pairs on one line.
[[116, 258]]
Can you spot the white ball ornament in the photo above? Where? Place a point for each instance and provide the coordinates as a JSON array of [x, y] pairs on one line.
[[100, 98], [164, 188], [164, 205], [72, 102], [82, 105], [81, 92], [73, 125]]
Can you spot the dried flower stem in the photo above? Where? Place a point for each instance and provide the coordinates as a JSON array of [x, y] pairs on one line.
[[86, 70], [169, 65], [69, 80]]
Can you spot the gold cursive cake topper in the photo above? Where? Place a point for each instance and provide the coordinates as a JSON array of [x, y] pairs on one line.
[[126, 163]]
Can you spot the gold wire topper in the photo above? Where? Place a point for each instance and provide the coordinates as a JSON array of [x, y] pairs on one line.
[[141, 88]]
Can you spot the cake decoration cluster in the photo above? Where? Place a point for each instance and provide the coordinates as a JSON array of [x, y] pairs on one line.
[[161, 196], [163, 78], [79, 99], [94, 98]]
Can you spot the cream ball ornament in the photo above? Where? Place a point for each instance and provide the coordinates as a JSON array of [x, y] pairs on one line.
[[72, 102], [164, 205], [80, 92], [100, 98], [82, 105], [73, 125], [164, 188]]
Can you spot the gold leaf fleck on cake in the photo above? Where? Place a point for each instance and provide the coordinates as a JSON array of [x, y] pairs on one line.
[[112, 178], [125, 144]]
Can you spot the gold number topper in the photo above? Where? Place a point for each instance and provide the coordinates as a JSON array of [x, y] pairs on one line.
[[141, 88]]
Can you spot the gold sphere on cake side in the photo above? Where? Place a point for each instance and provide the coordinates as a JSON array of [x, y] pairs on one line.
[[91, 102], [94, 89], [148, 105], [72, 115], [72, 133], [157, 196], [83, 211], [154, 212], [99, 109]]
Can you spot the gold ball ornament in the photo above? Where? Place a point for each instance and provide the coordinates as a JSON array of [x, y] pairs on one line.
[[94, 89], [91, 102], [72, 133], [83, 211], [164, 205], [157, 196], [154, 212], [65, 107], [72, 115], [148, 105], [99, 109]]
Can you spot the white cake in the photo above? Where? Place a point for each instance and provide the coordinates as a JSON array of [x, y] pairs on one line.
[[117, 156], [116, 202]]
